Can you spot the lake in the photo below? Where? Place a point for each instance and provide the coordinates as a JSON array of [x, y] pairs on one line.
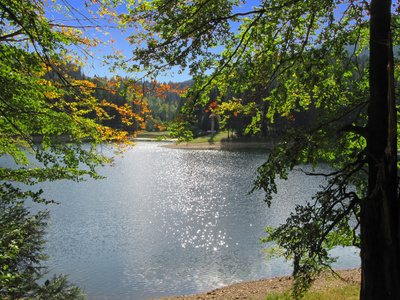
[[170, 222]]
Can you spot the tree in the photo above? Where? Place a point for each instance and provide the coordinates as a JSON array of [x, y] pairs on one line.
[[44, 127], [21, 253], [309, 54]]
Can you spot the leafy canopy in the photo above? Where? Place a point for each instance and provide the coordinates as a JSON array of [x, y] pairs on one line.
[[302, 55]]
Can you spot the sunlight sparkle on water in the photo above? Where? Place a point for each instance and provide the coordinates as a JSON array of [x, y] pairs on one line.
[[169, 222]]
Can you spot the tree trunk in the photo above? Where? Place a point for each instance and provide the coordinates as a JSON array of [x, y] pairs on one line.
[[380, 211]]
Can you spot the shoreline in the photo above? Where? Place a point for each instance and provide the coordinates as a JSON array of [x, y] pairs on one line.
[[259, 289], [218, 145]]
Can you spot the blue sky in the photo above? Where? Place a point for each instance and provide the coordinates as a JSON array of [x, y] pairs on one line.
[[120, 40], [120, 43]]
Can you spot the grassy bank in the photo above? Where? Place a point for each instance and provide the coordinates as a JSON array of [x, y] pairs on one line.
[[218, 137], [342, 293], [153, 135], [225, 138]]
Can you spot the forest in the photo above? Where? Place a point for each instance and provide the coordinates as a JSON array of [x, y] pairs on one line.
[[243, 114]]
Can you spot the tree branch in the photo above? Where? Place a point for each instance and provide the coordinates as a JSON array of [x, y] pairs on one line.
[[6, 37]]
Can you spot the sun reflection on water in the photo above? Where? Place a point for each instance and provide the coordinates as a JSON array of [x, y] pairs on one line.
[[168, 222]]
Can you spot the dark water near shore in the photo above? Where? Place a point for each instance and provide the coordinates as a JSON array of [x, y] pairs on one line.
[[170, 222]]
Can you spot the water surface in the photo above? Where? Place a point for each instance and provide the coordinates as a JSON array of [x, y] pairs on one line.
[[170, 222]]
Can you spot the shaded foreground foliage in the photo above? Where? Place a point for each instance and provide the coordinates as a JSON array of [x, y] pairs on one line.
[[22, 243]]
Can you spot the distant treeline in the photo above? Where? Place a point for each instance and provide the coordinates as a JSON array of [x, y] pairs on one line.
[[164, 103], [239, 121], [160, 101]]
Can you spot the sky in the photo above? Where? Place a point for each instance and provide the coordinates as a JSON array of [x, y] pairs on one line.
[[113, 37], [116, 39]]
